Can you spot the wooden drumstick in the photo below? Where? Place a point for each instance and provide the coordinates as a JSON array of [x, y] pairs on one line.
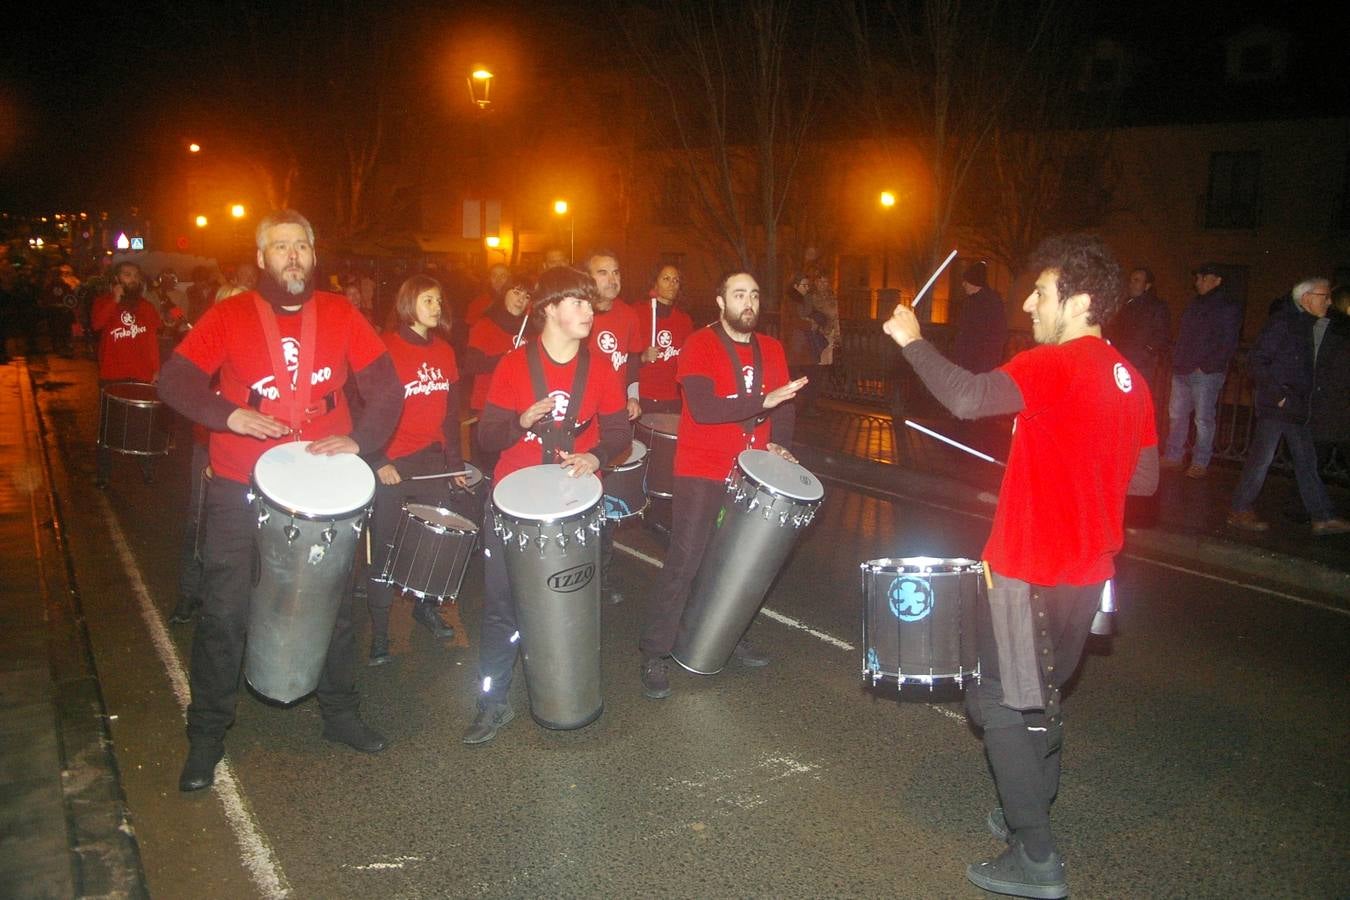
[[438, 475]]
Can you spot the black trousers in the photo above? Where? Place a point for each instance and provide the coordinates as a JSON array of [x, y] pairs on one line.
[[218, 643], [1024, 746], [499, 643], [695, 507], [389, 500], [190, 554]]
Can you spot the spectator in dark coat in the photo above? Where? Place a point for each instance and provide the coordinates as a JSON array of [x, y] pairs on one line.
[[1331, 388], [1141, 327], [1205, 345], [1283, 365], [982, 325]]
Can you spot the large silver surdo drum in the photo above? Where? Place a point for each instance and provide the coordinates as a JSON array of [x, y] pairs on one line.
[[767, 504], [310, 511], [549, 523]]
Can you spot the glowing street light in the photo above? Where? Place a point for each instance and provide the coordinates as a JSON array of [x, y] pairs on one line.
[[201, 221], [238, 211], [493, 242], [887, 201], [194, 147], [480, 88], [560, 208]]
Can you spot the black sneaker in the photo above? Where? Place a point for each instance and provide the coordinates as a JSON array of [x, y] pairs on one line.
[[1013, 872], [426, 614], [200, 769], [746, 654], [491, 717], [350, 730], [998, 825], [655, 674]]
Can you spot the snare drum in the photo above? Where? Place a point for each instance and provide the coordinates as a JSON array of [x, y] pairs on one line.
[[919, 620], [767, 504], [625, 484], [431, 551], [658, 432], [132, 420], [311, 510], [549, 523]]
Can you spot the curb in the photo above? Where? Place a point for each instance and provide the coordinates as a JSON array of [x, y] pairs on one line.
[[1290, 573]]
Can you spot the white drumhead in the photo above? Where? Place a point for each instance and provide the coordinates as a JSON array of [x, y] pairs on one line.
[[545, 492], [780, 476], [312, 484], [439, 515], [637, 452]]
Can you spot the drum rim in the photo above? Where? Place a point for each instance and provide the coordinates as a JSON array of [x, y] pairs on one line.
[[673, 435], [439, 526], [292, 509], [772, 489], [630, 464], [923, 565], [562, 516], [133, 401]]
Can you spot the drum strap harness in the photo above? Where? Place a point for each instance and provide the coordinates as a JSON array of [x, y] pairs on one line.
[[558, 436], [294, 403], [756, 378]]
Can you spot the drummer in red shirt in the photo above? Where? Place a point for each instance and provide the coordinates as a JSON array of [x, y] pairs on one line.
[[425, 442], [663, 329], [1083, 438], [735, 386], [284, 333], [516, 422], [502, 328], [128, 346]]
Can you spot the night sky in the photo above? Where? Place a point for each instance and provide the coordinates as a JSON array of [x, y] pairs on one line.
[[90, 102]]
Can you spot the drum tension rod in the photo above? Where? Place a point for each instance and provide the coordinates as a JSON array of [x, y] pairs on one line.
[[291, 532]]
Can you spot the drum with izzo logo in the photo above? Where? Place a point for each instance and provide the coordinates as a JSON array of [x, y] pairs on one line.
[[919, 620], [311, 510], [549, 524], [769, 501]]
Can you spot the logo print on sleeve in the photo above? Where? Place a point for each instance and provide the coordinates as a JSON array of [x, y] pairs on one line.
[[1123, 379]]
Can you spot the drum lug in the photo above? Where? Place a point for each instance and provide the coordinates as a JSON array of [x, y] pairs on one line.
[[330, 533], [263, 516], [580, 535], [768, 513], [782, 519], [358, 525], [523, 539], [754, 504], [250, 497], [291, 532], [594, 526], [541, 540], [562, 540]]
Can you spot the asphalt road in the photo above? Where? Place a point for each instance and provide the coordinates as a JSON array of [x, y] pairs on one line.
[[1205, 751]]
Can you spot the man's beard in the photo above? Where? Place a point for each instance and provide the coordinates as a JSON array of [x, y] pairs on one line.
[[132, 291], [739, 325], [290, 285]]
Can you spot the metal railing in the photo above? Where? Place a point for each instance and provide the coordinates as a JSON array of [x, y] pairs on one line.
[[870, 372]]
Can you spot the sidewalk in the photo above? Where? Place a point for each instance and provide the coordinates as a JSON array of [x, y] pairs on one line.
[[63, 821], [858, 444]]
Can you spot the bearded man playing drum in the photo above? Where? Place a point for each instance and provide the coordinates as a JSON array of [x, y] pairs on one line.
[[1083, 437], [285, 331], [128, 345], [519, 421], [735, 385]]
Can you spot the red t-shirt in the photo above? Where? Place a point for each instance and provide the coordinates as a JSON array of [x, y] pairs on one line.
[[1061, 509], [613, 336], [426, 372], [705, 450], [128, 345], [511, 389], [656, 380], [486, 335], [477, 306], [229, 339]]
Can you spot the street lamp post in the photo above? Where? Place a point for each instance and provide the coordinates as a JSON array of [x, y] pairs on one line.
[[561, 208], [887, 200]]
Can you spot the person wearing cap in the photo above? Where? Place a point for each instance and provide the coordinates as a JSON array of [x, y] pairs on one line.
[[982, 326], [1204, 347]]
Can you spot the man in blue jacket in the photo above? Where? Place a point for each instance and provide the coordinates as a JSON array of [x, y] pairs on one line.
[[1283, 363], [1205, 345]]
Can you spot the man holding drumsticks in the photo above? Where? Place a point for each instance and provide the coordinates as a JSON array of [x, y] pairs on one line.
[[735, 386], [1083, 437], [285, 331]]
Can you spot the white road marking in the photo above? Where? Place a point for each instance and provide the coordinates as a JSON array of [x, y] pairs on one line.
[[990, 498], [256, 854]]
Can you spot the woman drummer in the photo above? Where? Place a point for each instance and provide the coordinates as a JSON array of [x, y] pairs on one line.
[[425, 442]]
